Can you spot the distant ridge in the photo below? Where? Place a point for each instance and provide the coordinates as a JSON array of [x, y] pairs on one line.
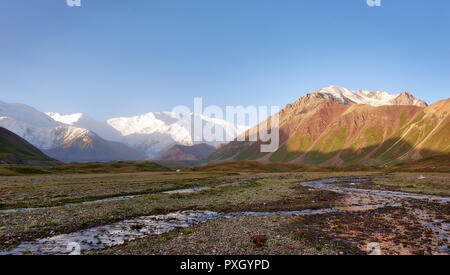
[[151, 134], [373, 98], [188, 154]]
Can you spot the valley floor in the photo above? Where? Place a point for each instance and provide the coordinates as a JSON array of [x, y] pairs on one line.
[[226, 213]]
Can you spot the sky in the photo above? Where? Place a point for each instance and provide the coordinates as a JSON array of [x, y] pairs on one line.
[[112, 58]]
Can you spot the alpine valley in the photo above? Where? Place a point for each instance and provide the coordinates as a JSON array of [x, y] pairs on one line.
[[331, 126]]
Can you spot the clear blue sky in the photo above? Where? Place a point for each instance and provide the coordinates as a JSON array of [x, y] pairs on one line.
[[113, 58]]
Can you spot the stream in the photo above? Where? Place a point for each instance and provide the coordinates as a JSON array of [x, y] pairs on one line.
[[178, 191], [129, 230]]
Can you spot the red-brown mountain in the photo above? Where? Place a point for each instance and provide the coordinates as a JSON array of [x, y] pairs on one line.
[[334, 126]]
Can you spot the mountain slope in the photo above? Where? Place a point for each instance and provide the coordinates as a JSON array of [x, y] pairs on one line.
[[188, 154], [85, 122], [92, 148], [14, 150], [331, 128]]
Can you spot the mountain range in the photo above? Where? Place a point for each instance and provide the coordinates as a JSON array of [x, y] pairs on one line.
[[79, 138], [335, 126], [331, 126]]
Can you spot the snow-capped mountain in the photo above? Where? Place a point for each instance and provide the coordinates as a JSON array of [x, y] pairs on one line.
[[85, 122], [59, 140], [373, 98], [65, 136], [151, 133], [26, 114], [36, 127], [155, 133], [43, 137]]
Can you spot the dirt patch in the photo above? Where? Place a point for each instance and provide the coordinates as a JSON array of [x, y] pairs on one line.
[[396, 230]]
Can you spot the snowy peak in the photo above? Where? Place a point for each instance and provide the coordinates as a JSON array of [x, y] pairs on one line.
[[147, 123], [41, 130], [373, 98], [155, 133], [66, 119], [408, 99], [60, 136], [26, 114], [151, 133], [377, 95], [164, 122], [82, 121]]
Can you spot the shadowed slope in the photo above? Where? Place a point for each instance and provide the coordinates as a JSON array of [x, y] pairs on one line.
[[14, 149], [439, 163]]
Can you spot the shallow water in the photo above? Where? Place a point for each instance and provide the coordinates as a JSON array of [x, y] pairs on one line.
[[186, 191], [117, 233], [322, 184], [67, 204], [179, 191], [364, 199], [113, 234]]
